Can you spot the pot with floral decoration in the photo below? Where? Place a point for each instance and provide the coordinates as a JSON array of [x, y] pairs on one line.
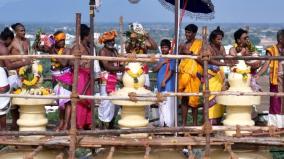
[[32, 111], [133, 112], [239, 107]]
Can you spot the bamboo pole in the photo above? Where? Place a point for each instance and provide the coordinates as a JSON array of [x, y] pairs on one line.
[[282, 99], [141, 58], [146, 97], [235, 93], [90, 141], [74, 99], [178, 141], [176, 50], [92, 82], [121, 34], [80, 97], [191, 129], [206, 93], [28, 133]]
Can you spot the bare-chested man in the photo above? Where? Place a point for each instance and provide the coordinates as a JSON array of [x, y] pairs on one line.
[[109, 78], [6, 40], [19, 46], [244, 47], [139, 42]]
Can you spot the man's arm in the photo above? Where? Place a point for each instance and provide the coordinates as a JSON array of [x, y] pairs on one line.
[[150, 42], [232, 52], [17, 64], [264, 67], [167, 77], [216, 62], [158, 66], [13, 64], [65, 62], [184, 49], [254, 65], [107, 65]]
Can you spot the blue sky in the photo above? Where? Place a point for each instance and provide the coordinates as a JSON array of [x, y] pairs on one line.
[[238, 11]]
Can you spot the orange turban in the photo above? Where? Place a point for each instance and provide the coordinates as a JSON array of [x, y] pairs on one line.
[[60, 36], [107, 36]]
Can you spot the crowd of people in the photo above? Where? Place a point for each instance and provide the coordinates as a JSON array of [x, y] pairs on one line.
[[190, 72]]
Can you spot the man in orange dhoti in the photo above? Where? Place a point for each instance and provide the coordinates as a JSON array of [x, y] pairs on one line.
[[190, 73]]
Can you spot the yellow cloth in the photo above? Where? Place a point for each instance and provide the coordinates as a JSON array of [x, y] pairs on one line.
[[273, 50], [60, 36], [188, 69], [215, 84]]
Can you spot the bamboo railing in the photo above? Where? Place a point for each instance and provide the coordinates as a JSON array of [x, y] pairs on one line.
[[75, 136]]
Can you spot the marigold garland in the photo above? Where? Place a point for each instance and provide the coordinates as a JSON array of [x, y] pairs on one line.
[[135, 76], [40, 91], [36, 75], [244, 73]]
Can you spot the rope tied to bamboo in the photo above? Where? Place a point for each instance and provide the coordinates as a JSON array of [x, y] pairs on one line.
[[238, 131], [160, 97], [272, 131], [73, 132], [132, 96], [205, 55], [153, 58], [74, 96], [76, 51], [228, 148], [206, 93], [207, 128]]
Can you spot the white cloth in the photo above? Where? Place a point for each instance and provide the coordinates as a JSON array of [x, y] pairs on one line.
[[276, 120], [6, 109], [106, 109], [60, 90], [147, 80], [97, 67], [166, 110], [4, 101], [14, 81]]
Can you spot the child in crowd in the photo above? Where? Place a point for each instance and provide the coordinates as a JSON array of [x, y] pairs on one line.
[[166, 83]]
